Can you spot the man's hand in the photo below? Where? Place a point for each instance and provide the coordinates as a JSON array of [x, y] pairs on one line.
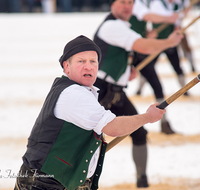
[[152, 34], [133, 73], [173, 18], [154, 114], [175, 38]]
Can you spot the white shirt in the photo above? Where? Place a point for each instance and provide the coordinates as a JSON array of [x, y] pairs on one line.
[[79, 105], [140, 9], [157, 7], [118, 33]]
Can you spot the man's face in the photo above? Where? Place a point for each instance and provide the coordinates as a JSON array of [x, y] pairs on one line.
[[82, 68], [122, 9]]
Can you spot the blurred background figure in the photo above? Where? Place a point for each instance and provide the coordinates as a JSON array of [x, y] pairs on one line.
[[64, 5], [166, 8], [142, 14], [48, 6], [10, 6], [187, 52], [30, 5]]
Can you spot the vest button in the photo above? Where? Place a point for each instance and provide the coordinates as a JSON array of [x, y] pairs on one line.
[[86, 160], [84, 171], [91, 151], [81, 181], [97, 142]]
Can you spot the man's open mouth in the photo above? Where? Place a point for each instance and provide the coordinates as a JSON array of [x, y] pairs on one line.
[[87, 75]]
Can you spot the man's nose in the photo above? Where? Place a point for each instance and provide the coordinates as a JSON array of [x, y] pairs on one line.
[[88, 65]]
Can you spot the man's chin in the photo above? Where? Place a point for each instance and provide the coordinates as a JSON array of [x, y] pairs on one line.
[[88, 83]]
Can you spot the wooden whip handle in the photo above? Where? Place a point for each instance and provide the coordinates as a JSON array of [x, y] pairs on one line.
[[165, 25], [163, 105], [115, 141], [183, 30], [148, 59], [161, 27], [176, 95]]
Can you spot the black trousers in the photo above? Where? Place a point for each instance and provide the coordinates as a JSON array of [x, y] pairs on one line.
[[29, 180], [150, 74], [32, 179], [124, 107]]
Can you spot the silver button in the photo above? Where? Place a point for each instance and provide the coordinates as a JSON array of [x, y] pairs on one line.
[[84, 171], [91, 151], [97, 142], [86, 160], [81, 181]]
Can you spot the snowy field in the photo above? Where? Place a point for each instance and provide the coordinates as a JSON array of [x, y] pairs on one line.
[[30, 46]]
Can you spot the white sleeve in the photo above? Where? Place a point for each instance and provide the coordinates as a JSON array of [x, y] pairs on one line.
[[140, 9], [118, 33], [157, 7], [78, 105], [186, 3]]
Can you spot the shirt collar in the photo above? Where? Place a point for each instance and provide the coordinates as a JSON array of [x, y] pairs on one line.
[[93, 89], [125, 22]]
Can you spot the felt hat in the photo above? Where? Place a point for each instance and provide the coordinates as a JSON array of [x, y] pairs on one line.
[[77, 45]]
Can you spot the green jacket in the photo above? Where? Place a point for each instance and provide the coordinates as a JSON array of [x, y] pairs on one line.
[[114, 59], [59, 148], [138, 26], [170, 28]]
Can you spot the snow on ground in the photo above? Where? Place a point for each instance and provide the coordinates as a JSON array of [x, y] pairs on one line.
[[30, 46]]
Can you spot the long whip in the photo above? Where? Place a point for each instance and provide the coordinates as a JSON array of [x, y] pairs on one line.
[[165, 25], [148, 59], [162, 105]]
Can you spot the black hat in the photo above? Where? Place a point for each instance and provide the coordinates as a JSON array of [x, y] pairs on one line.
[[77, 45]]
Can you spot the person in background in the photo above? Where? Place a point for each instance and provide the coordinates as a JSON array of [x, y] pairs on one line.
[[167, 8], [65, 5], [187, 52], [10, 6], [30, 4], [116, 39], [142, 14], [65, 148], [48, 6]]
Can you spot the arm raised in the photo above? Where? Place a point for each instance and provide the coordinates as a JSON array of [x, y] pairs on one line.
[[151, 46], [124, 125]]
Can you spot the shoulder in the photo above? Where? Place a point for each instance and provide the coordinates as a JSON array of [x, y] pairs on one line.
[[75, 88], [117, 23], [114, 27], [76, 91]]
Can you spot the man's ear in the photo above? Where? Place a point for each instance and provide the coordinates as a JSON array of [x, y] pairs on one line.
[[66, 66]]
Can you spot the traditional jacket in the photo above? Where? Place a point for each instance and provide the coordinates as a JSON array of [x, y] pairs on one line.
[[114, 59], [60, 148], [170, 28], [138, 26]]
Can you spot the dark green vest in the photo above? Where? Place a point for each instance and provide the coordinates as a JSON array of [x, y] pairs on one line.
[[138, 26], [170, 28], [59, 148], [114, 59]]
